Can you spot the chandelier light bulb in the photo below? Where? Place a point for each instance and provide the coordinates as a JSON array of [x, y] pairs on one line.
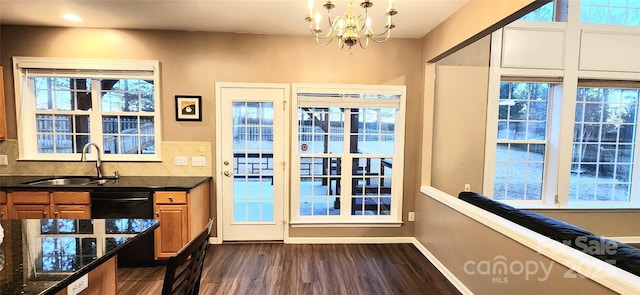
[[317, 21], [310, 6]]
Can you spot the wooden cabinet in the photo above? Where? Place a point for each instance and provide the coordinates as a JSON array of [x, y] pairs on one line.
[[182, 215], [73, 205], [4, 213], [38, 204]]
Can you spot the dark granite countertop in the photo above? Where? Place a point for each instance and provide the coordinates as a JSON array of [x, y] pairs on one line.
[[124, 183], [43, 256]]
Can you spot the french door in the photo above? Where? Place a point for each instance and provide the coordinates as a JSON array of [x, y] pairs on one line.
[[251, 154]]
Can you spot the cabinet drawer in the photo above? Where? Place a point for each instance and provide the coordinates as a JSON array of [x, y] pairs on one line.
[[171, 197], [72, 198], [29, 197]]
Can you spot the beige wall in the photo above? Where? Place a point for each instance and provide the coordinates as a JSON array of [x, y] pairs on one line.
[[459, 128], [462, 243], [192, 62]]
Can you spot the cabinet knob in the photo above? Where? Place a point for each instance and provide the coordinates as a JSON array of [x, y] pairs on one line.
[[158, 213], [44, 213], [55, 213], [170, 199], [1, 213]]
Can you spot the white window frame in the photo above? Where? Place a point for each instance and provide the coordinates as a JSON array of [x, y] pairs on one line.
[[562, 113], [345, 218], [85, 68]]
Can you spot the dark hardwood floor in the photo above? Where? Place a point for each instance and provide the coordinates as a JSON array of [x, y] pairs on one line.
[[273, 268]]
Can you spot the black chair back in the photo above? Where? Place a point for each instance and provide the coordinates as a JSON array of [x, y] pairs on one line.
[[184, 269]]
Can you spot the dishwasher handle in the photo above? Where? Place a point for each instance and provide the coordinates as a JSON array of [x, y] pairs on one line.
[[122, 200]]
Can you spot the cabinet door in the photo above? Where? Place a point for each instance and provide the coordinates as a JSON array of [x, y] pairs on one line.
[[3, 206], [173, 232], [72, 211], [29, 211], [4, 214]]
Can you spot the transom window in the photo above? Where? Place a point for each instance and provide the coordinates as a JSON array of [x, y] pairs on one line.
[[59, 102], [612, 12], [347, 141]]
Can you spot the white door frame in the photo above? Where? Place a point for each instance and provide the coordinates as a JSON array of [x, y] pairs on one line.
[[218, 162]]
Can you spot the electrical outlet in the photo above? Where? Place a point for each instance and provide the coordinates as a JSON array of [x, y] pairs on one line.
[[4, 161], [412, 216], [79, 285], [467, 187], [181, 161], [198, 161]]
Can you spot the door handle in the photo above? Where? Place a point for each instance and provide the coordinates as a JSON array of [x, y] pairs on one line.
[[227, 173]]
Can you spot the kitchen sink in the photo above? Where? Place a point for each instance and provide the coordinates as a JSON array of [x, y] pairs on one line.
[[70, 180]]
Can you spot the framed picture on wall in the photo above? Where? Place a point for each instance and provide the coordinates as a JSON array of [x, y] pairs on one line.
[[188, 108]]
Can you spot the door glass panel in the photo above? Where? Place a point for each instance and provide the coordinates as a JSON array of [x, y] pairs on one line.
[[253, 162]]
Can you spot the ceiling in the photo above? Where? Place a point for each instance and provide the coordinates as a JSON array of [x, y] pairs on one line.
[[286, 17]]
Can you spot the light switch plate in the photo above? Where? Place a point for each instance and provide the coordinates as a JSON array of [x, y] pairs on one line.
[[198, 161], [4, 161], [181, 161]]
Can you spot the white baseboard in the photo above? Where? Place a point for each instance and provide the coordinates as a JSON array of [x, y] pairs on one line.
[[349, 240], [214, 240], [443, 269]]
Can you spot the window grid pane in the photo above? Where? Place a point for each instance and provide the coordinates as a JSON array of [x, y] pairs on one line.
[[603, 145]]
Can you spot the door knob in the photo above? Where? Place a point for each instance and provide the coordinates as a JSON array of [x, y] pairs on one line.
[[227, 173]]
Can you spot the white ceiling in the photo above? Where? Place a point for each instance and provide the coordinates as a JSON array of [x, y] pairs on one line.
[[414, 20]]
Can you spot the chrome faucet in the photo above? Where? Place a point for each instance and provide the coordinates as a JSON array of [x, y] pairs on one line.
[[98, 161]]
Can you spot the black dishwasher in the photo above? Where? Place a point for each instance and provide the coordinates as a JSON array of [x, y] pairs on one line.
[[130, 204]]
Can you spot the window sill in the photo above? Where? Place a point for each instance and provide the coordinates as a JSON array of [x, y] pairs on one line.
[[573, 207], [343, 224]]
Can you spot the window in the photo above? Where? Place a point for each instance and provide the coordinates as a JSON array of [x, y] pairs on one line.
[[59, 99], [543, 14], [604, 141], [528, 155], [521, 140], [612, 12], [349, 161]]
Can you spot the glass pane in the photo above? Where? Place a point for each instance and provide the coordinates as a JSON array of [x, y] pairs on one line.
[[147, 125], [110, 144], [128, 125], [64, 144], [129, 145], [110, 124]]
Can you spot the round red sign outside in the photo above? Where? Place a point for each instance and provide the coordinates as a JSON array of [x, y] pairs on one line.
[[304, 147]]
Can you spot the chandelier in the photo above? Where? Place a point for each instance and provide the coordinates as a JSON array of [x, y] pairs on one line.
[[350, 28]]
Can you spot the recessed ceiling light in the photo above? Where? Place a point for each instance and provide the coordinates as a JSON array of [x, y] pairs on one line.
[[72, 17]]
